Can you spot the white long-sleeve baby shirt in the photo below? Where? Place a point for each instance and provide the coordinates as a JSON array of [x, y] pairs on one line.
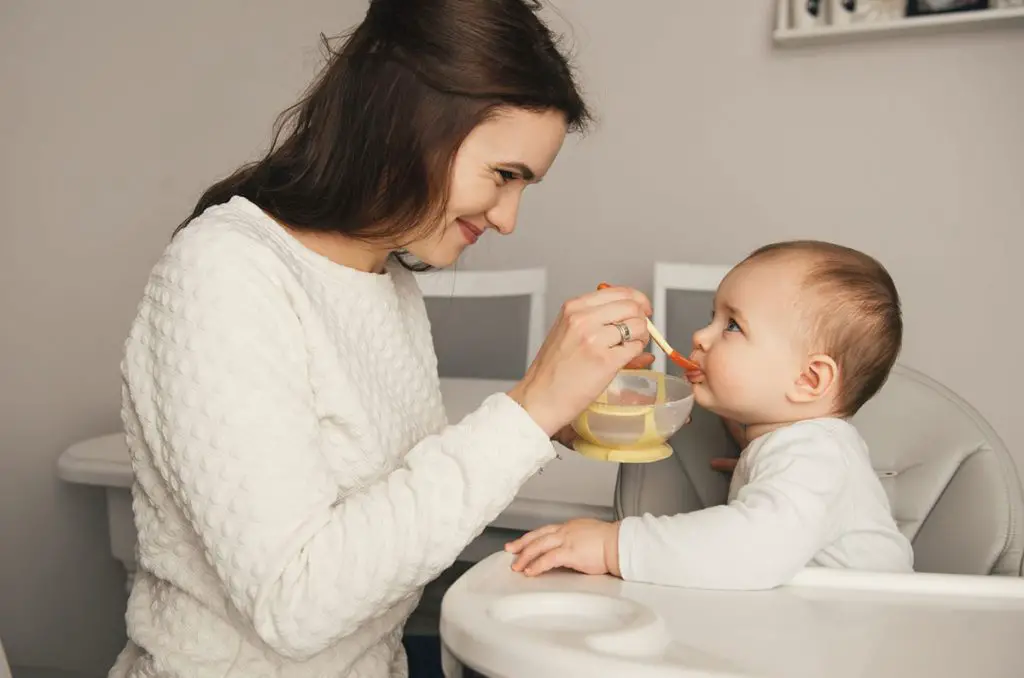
[[803, 495], [296, 481]]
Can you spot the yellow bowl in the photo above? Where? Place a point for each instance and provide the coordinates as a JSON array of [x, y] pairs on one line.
[[633, 418]]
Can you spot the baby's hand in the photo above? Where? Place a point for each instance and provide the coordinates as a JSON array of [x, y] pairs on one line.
[[724, 464], [585, 545]]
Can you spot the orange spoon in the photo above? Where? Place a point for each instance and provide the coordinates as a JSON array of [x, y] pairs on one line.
[[673, 355]]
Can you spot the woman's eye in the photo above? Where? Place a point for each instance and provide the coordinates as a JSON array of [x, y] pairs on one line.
[[507, 175]]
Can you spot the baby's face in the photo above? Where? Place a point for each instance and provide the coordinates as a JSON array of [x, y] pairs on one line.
[[754, 350]]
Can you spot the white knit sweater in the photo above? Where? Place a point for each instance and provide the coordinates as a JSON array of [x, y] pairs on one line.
[[296, 482]]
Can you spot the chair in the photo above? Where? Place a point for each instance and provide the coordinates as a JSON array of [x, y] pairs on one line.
[[953, 486], [491, 291], [686, 278], [5, 670]]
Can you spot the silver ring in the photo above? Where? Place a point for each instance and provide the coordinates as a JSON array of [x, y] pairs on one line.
[[624, 333]]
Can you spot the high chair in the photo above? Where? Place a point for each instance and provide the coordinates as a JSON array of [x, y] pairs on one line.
[[954, 491], [5, 670]]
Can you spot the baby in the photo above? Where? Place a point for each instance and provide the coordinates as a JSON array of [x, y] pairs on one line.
[[802, 335]]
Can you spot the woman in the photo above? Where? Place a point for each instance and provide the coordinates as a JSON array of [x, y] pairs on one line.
[[296, 481]]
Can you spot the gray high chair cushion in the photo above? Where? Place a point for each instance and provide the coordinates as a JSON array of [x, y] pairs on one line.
[[952, 484]]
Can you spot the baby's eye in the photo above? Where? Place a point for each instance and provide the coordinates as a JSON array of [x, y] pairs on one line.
[[733, 326]]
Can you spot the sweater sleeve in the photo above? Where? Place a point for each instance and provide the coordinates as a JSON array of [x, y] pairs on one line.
[[776, 524], [216, 372]]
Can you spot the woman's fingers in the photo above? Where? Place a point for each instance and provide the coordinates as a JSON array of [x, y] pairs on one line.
[[581, 354], [642, 361], [613, 312], [609, 335], [566, 436], [608, 295], [620, 356]]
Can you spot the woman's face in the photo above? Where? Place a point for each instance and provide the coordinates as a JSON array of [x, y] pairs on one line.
[[492, 168]]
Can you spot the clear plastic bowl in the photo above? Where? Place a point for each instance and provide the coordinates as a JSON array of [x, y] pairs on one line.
[[640, 409]]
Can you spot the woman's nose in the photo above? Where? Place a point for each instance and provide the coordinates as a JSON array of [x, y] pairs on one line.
[[503, 215]]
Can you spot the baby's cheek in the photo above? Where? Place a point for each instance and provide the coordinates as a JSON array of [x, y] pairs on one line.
[[724, 377]]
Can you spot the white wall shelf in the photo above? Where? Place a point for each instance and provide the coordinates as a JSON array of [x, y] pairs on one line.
[[785, 35]]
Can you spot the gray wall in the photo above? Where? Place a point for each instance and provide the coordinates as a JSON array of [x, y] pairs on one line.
[[710, 143]]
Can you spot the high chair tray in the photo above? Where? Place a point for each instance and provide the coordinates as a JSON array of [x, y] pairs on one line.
[[825, 623]]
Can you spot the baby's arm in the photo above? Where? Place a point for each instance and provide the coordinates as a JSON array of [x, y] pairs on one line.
[[773, 528]]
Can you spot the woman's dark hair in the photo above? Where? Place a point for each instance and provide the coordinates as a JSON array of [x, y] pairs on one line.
[[368, 151]]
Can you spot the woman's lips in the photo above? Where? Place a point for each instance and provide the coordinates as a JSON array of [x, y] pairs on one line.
[[469, 231]]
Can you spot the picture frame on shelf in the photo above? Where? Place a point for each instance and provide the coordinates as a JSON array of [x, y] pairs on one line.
[[799, 22], [876, 11], [930, 7]]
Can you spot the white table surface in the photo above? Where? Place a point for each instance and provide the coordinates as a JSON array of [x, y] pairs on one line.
[[570, 486], [826, 624]]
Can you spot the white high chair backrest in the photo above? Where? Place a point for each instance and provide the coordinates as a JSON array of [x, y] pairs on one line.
[[530, 283], [684, 278], [5, 669], [952, 483]]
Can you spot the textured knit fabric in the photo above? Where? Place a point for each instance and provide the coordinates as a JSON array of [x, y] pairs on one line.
[[804, 495], [296, 481]]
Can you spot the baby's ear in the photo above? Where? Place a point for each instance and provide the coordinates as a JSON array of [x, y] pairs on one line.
[[817, 379]]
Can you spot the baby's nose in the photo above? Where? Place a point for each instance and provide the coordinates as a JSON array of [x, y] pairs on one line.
[[702, 339]]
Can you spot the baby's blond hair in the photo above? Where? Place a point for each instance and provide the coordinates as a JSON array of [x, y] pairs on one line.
[[855, 317]]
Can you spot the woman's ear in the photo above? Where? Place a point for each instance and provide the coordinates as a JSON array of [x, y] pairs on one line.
[[816, 380]]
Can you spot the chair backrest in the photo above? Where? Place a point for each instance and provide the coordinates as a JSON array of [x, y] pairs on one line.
[[953, 486], [490, 287], [5, 669], [670, 277]]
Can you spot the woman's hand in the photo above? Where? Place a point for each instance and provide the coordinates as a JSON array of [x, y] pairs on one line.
[[581, 355], [567, 434]]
